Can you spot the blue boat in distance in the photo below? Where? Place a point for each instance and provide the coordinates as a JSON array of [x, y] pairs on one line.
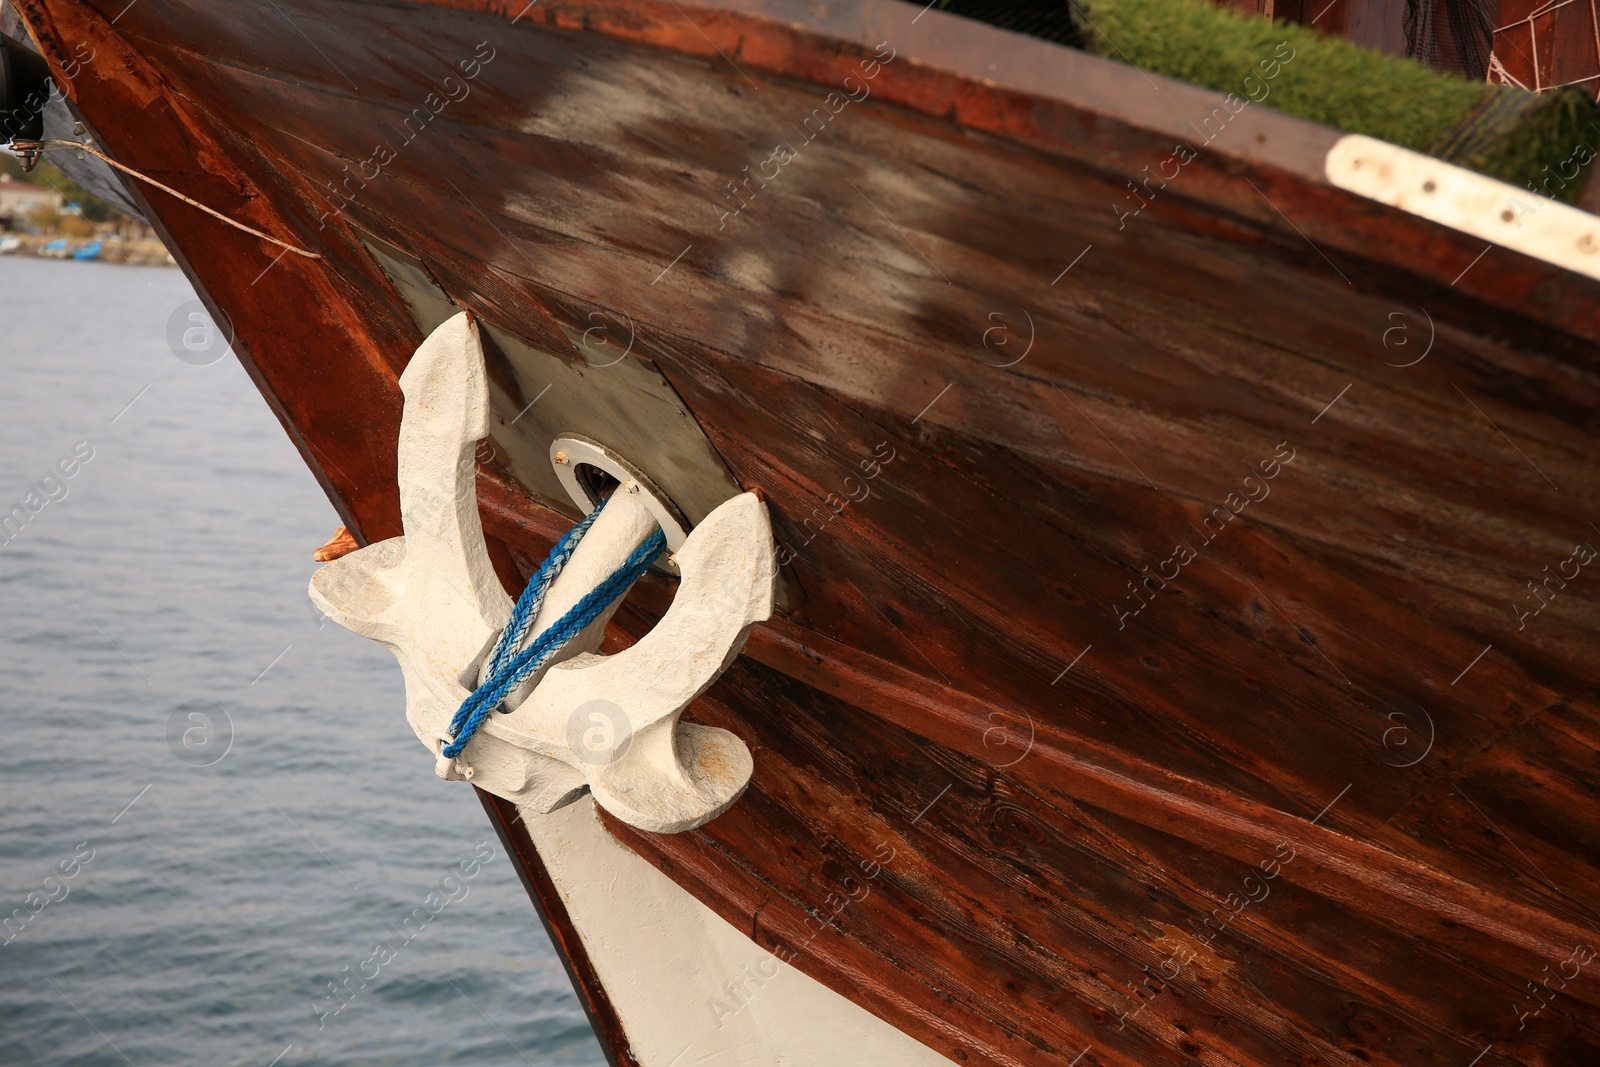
[[89, 251]]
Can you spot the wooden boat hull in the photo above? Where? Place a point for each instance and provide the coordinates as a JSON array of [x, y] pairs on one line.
[[1191, 656]]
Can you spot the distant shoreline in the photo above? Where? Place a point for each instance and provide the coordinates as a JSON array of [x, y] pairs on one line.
[[138, 252]]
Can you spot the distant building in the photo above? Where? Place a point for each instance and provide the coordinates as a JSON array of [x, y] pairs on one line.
[[18, 200]]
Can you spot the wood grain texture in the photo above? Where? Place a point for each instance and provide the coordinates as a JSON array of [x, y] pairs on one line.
[[1069, 787]]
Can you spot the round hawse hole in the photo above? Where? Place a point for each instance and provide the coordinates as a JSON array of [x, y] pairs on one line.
[[1506, 215], [597, 483], [1429, 186]]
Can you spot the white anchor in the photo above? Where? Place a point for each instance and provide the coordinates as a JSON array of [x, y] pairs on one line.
[[606, 723]]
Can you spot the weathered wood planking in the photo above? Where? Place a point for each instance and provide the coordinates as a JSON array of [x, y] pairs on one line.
[[1541, 45], [1021, 503], [1079, 878]]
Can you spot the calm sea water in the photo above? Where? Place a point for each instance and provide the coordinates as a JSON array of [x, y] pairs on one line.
[[210, 802]]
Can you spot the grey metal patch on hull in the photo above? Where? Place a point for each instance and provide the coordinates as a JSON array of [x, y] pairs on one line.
[[622, 402]]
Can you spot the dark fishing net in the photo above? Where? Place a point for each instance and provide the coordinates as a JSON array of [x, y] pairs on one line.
[[1050, 20], [1455, 36]]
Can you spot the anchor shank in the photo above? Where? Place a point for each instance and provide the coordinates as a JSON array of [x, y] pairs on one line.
[[622, 527]]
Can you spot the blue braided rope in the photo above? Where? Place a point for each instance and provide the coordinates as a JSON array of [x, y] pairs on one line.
[[515, 635], [473, 710]]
